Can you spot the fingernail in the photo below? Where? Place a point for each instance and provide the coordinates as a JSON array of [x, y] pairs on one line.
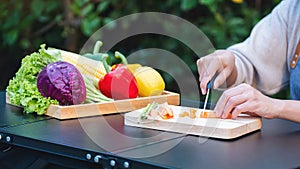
[[203, 92]]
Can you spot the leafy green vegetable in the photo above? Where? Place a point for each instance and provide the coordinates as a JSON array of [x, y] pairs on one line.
[[22, 88]]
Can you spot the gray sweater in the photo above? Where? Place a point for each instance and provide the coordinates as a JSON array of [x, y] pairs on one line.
[[262, 60]]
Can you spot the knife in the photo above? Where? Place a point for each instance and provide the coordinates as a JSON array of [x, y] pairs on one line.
[[209, 86]]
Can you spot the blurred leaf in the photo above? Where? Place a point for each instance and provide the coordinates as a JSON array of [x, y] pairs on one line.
[[3, 9], [43, 18], [89, 25], [102, 6], [207, 2], [10, 37], [25, 43], [27, 21], [74, 8], [58, 18], [188, 4], [51, 6], [37, 7], [211, 4], [12, 21], [87, 9], [80, 3]]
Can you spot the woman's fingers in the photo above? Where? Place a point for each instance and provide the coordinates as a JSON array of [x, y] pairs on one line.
[[205, 71], [228, 96], [203, 84], [241, 99], [234, 104], [245, 99], [221, 78], [208, 66], [220, 63], [240, 108]]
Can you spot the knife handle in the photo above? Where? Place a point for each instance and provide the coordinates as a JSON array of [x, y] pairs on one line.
[[210, 84]]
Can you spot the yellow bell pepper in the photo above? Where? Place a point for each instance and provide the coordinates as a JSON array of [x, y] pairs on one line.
[[149, 81], [132, 67]]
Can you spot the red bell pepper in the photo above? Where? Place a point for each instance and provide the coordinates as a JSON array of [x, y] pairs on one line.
[[119, 83]]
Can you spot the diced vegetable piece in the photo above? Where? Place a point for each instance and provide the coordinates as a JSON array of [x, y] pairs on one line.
[[211, 115], [157, 110]]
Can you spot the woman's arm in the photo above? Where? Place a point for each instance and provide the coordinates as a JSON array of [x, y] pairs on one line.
[[262, 58], [289, 110]]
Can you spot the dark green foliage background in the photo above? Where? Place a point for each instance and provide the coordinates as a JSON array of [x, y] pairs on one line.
[[67, 24]]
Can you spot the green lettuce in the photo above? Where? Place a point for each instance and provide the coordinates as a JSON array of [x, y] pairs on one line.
[[22, 89]]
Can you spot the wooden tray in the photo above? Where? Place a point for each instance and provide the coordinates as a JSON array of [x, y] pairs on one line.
[[207, 127], [94, 109]]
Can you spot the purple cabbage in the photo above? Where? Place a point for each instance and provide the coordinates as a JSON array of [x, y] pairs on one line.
[[63, 82]]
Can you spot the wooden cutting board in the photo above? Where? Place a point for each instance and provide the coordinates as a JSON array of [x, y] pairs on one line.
[[207, 127]]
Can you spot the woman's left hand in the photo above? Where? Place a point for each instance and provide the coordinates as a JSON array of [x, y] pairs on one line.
[[246, 99]]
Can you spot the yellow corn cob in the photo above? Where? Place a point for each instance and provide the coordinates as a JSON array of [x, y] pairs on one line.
[[92, 69]]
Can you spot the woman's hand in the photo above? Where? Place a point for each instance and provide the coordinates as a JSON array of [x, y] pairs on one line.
[[242, 98], [245, 99], [222, 63]]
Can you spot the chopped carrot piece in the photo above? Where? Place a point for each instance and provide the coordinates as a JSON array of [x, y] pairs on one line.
[[212, 115], [229, 116], [203, 115], [184, 114], [167, 115], [193, 110], [192, 115]]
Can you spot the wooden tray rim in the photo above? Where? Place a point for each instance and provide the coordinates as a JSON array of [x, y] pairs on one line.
[[67, 112]]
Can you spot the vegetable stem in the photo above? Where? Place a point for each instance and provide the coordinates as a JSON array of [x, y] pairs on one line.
[[107, 69], [97, 47], [122, 57]]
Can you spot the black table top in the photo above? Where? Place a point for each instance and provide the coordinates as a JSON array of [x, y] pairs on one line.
[[275, 146], [11, 115]]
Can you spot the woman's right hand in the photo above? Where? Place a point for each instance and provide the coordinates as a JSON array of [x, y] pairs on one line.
[[220, 63]]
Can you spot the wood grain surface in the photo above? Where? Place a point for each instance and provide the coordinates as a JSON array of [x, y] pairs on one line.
[[207, 127]]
